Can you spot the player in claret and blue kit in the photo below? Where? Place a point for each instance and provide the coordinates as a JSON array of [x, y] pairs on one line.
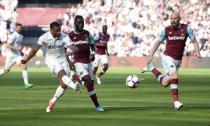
[[83, 57], [102, 39], [176, 36]]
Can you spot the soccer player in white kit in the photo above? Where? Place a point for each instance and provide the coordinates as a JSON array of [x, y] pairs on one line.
[[13, 55], [55, 42]]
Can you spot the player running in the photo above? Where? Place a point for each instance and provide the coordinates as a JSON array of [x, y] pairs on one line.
[[102, 38], [55, 41], [175, 35], [14, 45], [84, 42]]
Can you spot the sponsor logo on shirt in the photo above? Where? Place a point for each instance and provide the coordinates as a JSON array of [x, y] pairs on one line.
[[176, 37], [80, 42]]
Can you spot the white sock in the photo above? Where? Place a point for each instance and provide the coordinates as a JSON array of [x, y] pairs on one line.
[[58, 93], [25, 76], [1, 72], [66, 80], [91, 93]]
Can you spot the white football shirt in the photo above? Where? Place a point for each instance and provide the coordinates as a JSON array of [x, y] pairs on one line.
[[16, 40], [55, 47]]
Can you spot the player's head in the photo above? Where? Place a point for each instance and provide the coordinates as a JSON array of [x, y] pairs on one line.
[[104, 29], [175, 19], [79, 23], [19, 27], [55, 29]]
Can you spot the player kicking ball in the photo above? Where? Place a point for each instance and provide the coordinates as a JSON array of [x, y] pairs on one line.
[[55, 41], [175, 35], [13, 55]]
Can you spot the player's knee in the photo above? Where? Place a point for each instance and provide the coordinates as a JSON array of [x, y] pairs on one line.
[[106, 66], [64, 86], [165, 82], [23, 66], [174, 75], [87, 79], [88, 83], [6, 71]]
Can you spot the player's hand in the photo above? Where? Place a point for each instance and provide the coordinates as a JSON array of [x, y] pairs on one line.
[[104, 45], [149, 59], [23, 61], [71, 66], [198, 55], [92, 56]]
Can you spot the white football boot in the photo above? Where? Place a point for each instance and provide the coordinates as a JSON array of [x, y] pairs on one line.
[[178, 105], [148, 68], [50, 106], [99, 109], [98, 80]]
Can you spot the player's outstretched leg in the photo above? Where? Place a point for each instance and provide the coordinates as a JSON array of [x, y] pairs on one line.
[[94, 73], [25, 79], [58, 93], [162, 78], [105, 68], [3, 71], [74, 85], [89, 84], [25, 76]]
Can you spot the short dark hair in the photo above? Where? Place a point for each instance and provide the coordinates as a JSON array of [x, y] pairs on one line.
[[54, 24], [18, 24], [78, 16]]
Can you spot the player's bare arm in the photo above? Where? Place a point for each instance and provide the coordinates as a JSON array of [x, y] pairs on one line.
[[31, 54], [71, 64], [154, 49], [92, 55], [197, 50]]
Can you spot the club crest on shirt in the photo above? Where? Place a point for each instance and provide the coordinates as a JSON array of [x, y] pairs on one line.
[[81, 73], [172, 66]]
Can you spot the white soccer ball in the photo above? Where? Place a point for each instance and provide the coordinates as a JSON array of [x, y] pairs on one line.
[[132, 81]]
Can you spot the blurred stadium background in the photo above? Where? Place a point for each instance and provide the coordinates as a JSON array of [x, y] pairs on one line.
[[132, 24]]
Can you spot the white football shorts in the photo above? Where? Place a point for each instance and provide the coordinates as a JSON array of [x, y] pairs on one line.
[[170, 65], [56, 65], [83, 69], [100, 58]]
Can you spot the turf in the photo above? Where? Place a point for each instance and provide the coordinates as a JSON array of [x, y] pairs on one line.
[[147, 105]]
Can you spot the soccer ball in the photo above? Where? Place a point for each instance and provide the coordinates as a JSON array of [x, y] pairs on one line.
[[132, 81]]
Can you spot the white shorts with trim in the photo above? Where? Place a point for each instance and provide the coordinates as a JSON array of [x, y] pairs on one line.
[[170, 65], [100, 58], [83, 69], [56, 65]]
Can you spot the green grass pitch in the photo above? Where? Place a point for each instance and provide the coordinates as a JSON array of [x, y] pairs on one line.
[[147, 105]]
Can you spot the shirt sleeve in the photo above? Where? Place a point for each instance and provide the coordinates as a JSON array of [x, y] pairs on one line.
[[41, 40], [190, 33], [11, 38], [91, 39], [162, 35], [96, 38], [67, 41]]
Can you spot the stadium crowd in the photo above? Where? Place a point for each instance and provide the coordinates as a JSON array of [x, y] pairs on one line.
[[8, 14], [135, 24]]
